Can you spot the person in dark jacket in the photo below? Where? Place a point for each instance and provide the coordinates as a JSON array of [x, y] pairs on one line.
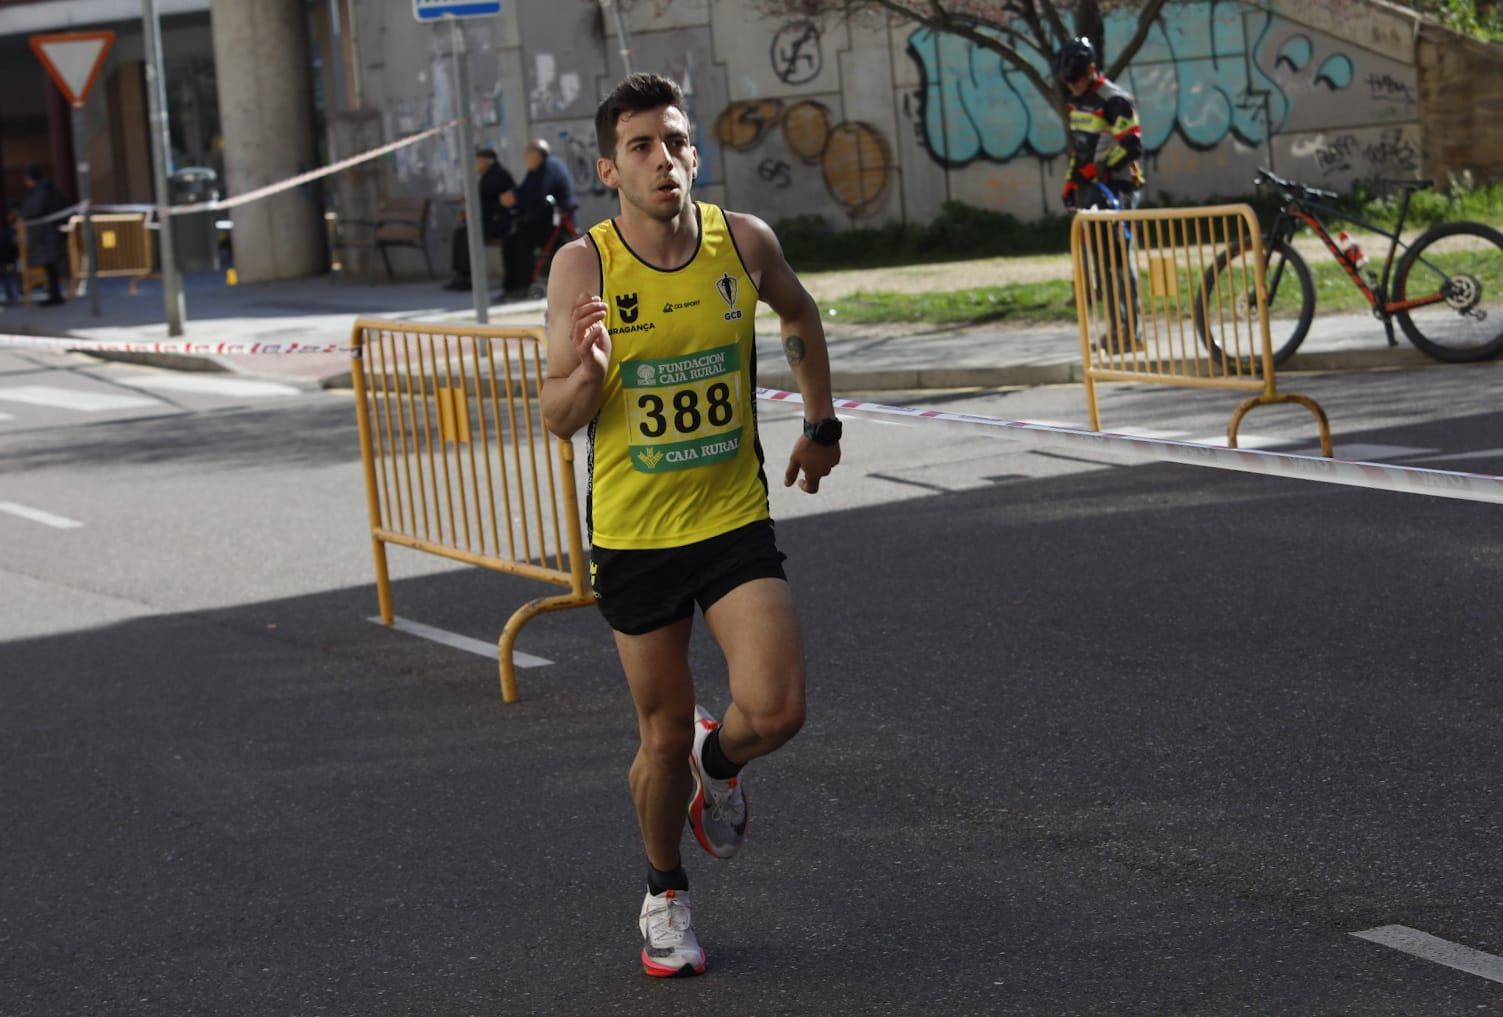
[[547, 177], [9, 253], [45, 245], [495, 218]]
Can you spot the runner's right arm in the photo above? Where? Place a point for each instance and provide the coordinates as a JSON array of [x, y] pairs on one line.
[[579, 346]]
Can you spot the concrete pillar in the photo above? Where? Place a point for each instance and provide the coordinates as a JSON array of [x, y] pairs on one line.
[[265, 85]]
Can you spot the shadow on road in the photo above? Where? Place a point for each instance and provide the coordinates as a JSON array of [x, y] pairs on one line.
[[1132, 741]]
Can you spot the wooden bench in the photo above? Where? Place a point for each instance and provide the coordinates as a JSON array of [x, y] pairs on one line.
[[399, 222]]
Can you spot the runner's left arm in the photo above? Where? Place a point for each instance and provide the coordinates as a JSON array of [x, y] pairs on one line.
[[803, 342]]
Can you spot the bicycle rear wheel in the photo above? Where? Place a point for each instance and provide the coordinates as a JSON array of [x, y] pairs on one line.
[[1228, 286], [1458, 268]]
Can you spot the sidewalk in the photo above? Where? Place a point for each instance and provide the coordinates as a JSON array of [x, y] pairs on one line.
[[862, 358]]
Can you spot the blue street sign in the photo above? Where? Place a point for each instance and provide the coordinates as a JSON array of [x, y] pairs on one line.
[[432, 10]]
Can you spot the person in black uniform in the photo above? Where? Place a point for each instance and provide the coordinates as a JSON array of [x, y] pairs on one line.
[[1106, 141], [1105, 168], [495, 218]]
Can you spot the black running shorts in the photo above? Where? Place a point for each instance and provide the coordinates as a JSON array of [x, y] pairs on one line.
[[642, 590]]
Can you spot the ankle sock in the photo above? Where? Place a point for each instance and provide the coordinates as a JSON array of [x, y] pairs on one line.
[[716, 765], [659, 881]]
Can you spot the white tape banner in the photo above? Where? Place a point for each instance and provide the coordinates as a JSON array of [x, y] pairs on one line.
[[1373, 476], [303, 178], [257, 194], [177, 346]]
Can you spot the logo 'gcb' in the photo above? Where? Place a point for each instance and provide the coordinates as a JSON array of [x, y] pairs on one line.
[[627, 308]]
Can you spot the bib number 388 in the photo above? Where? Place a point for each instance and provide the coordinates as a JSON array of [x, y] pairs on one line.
[[683, 412]]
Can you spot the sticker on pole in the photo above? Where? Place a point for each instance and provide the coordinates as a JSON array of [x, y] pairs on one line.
[[433, 10], [74, 60]]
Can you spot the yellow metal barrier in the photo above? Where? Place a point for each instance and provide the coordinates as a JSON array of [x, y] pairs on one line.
[[121, 242], [1177, 297], [457, 462]]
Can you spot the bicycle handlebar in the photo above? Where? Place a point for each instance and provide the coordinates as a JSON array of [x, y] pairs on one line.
[[1291, 188]]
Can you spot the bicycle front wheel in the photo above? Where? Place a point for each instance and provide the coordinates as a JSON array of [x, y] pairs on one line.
[[1228, 288], [1452, 282]]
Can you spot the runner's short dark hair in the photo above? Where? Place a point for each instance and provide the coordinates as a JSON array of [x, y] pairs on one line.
[[637, 93]]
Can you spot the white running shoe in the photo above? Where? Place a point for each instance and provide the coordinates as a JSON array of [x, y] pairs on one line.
[[717, 810], [669, 947]]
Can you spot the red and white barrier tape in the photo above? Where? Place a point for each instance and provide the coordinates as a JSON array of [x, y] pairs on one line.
[[178, 346], [1373, 476]]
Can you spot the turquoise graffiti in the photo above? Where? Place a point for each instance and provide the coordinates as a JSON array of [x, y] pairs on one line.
[[1195, 76]]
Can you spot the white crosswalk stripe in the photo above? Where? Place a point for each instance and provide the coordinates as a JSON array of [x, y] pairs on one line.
[[73, 399], [208, 384]]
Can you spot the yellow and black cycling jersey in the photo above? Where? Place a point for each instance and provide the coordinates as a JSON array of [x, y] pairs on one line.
[[1105, 116]]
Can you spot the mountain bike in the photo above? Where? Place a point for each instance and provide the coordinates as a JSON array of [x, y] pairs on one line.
[[1446, 291]]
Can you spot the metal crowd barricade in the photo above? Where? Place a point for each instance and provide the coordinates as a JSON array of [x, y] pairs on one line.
[[122, 245], [458, 464], [1178, 297]]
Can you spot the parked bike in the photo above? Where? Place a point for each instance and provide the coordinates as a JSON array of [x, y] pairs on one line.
[[1446, 291]]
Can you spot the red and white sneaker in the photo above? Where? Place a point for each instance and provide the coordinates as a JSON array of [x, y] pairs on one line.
[[717, 810], [669, 947]]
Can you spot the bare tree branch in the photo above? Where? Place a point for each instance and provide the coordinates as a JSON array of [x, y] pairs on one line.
[[1147, 18]]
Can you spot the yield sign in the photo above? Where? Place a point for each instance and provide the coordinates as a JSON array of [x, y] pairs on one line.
[[74, 60]]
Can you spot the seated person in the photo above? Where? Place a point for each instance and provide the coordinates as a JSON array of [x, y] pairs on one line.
[[547, 176], [495, 219]]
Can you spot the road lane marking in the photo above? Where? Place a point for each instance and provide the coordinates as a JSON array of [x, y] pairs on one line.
[[1433, 948], [208, 384], [1362, 453], [38, 516], [6, 416], [479, 647], [1486, 453], [72, 399], [1244, 440]]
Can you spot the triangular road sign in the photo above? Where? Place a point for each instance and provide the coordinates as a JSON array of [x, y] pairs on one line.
[[74, 60]]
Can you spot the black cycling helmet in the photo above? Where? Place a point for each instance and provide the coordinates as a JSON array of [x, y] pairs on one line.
[[1074, 58]]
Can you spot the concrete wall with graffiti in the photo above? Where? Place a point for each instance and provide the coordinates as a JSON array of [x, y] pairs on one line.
[[864, 122]]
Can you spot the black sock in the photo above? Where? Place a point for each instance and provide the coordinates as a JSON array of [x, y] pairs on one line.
[[658, 881], [716, 765]]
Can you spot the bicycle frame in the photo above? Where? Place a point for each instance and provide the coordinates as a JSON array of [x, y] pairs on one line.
[[1308, 212]]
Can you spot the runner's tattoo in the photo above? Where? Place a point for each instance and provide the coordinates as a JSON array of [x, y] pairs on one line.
[[793, 348]]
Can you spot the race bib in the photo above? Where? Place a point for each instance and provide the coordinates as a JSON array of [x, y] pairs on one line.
[[684, 412]]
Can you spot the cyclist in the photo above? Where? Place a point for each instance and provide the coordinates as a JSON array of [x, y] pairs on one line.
[[1109, 176]]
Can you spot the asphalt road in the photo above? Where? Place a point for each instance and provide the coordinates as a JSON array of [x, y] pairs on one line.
[[1084, 738]]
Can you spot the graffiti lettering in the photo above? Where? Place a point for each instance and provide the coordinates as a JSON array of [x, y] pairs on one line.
[[796, 54], [1336, 156], [1387, 88], [1392, 152], [854, 157], [1194, 76], [578, 153], [741, 124], [776, 172]]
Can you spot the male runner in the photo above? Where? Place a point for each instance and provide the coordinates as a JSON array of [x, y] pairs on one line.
[[650, 344]]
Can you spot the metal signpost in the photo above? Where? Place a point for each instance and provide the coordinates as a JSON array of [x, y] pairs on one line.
[[74, 60], [437, 10], [156, 94]]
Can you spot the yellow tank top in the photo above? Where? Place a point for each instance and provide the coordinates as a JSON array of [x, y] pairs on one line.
[[674, 455]]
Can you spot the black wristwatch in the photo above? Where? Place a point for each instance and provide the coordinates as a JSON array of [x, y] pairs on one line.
[[823, 432]]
